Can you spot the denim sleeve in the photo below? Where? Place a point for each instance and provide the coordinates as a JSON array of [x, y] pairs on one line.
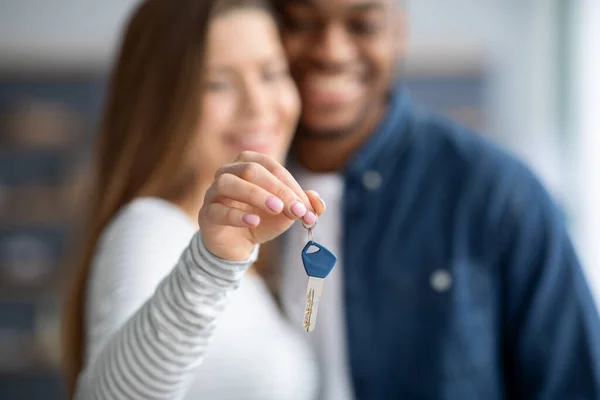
[[552, 326]]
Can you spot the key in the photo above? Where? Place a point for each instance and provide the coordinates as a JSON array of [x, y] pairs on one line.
[[318, 263], [314, 289]]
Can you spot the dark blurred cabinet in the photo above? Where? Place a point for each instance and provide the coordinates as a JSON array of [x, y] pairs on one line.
[[47, 124]]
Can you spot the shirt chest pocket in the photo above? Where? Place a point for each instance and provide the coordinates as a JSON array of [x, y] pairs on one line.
[[445, 316]]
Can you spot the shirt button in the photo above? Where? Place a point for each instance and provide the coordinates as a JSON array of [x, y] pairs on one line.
[[372, 180], [440, 280]]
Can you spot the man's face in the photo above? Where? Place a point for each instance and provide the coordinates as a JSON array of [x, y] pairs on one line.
[[343, 57]]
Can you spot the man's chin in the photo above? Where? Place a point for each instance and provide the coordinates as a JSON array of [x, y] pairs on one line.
[[326, 128], [322, 132]]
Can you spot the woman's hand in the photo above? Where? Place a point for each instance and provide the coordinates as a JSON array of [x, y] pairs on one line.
[[250, 202]]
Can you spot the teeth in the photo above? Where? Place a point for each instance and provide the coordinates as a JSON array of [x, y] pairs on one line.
[[343, 83]]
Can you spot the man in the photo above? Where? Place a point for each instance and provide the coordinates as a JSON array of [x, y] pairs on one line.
[[457, 279]]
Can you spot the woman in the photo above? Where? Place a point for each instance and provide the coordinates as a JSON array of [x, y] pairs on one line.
[[199, 116]]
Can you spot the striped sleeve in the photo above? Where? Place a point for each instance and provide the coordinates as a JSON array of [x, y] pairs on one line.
[[153, 354]]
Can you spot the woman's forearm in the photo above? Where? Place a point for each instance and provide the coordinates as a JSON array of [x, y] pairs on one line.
[[153, 354]]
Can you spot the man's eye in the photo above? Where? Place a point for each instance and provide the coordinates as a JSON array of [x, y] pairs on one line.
[[362, 27], [298, 23]]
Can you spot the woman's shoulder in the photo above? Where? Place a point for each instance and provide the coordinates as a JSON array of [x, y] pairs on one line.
[[150, 216], [152, 210], [146, 227]]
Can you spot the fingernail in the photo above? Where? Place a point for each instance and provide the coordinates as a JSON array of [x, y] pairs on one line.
[[323, 202], [310, 218], [298, 209], [251, 219], [274, 204]]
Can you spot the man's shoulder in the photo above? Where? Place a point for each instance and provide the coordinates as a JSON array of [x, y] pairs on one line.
[[452, 140], [453, 147], [464, 164]]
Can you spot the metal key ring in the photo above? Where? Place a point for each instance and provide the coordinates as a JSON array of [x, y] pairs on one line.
[[311, 234], [309, 227]]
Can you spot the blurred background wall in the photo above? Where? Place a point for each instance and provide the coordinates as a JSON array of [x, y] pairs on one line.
[[521, 72]]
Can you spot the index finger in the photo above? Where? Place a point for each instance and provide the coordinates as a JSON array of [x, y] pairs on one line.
[[279, 171]]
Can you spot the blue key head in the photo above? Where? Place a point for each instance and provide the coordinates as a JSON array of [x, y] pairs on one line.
[[318, 263]]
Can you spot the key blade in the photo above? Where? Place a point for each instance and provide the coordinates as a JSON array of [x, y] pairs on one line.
[[314, 289]]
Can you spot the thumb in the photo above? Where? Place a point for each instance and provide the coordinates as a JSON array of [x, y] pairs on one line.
[[316, 201]]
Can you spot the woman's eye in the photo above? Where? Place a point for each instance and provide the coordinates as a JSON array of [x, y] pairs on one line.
[[274, 74], [217, 85]]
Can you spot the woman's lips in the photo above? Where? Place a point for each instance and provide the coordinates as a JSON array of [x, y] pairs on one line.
[[258, 141]]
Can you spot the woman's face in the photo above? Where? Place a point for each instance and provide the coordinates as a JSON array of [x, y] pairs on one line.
[[249, 99]]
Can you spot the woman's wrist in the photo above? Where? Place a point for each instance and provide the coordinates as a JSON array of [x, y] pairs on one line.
[[242, 258]]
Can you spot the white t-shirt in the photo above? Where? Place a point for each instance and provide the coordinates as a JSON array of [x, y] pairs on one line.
[[328, 339]]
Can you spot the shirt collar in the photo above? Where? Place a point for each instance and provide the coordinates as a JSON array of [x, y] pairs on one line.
[[390, 128]]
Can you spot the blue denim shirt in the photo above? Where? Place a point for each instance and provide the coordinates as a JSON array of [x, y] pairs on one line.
[[460, 280]]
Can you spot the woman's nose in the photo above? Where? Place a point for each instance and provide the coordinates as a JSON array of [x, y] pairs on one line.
[[256, 99]]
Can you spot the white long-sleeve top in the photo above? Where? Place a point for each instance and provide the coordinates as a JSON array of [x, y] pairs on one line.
[[165, 319]]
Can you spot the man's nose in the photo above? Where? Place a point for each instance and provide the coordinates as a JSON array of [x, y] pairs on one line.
[[334, 47]]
